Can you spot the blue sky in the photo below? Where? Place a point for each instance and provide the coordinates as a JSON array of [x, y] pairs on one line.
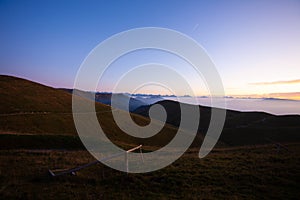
[[254, 44]]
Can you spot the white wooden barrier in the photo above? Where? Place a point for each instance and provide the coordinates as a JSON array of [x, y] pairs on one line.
[[73, 170]]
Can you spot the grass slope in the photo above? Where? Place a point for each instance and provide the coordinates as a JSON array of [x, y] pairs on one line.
[[241, 128], [29, 108]]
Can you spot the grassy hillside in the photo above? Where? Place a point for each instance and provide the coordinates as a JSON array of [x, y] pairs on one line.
[[32, 108], [241, 128], [29, 108], [23, 96]]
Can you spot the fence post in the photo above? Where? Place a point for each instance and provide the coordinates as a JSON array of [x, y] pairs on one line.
[[126, 161]]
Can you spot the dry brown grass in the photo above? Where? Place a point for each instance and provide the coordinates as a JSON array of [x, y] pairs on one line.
[[241, 173]]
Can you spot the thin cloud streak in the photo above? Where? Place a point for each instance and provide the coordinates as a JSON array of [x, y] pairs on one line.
[[277, 82], [279, 95], [287, 94]]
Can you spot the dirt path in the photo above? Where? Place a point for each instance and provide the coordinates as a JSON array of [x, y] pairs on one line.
[[46, 113]]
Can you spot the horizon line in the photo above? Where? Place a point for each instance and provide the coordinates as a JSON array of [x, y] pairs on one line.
[[294, 96]]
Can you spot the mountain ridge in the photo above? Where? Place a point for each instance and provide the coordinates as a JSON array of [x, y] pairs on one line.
[[240, 128]]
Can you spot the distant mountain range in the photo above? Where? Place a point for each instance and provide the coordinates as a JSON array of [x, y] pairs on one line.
[[135, 101]]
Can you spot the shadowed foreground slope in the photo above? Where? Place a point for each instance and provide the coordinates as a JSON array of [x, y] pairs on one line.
[[242, 173]]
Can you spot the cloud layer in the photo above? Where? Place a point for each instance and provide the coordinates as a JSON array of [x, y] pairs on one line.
[[277, 82]]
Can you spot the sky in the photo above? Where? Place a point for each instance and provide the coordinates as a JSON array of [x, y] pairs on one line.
[[255, 45]]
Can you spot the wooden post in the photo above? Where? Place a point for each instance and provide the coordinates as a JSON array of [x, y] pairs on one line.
[[126, 161], [142, 157]]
